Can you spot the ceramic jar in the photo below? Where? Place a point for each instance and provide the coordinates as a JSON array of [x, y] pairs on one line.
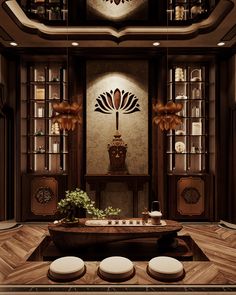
[[155, 217]]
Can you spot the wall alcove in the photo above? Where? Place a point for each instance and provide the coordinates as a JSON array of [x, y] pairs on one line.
[[117, 103]]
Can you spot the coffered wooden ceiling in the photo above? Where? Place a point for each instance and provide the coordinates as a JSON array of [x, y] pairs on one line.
[[219, 26]]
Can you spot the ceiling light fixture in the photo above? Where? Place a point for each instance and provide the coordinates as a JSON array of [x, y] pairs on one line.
[[156, 43], [13, 44], [75, 44], [221, 43]]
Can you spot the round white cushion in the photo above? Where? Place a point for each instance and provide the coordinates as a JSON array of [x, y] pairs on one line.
[[164, 267], [116, 267], [69, 267]]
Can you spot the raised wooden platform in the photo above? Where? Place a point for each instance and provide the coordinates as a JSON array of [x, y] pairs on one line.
[[218, 244], [145, 249]]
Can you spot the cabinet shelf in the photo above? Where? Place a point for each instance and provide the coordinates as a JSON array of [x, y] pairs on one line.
[[42, 83], [46, 135], [187, 153], [186, 135], [187, 173], [38, 118], [48, 153], [36, 100], [188, 100], [187, 81], [193, 118]]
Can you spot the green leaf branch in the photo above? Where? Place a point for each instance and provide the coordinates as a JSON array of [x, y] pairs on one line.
[[79, 199]]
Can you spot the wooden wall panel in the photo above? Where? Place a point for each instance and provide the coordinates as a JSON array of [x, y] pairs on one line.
[[190, 196], [40, 195]]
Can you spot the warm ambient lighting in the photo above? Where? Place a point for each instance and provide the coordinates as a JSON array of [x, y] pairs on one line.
[[75, 44], [156, 43], [166, 115], [221, 43], [13, 44], [66, 115]]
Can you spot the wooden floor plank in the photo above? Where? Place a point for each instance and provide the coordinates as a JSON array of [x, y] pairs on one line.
[[217, 243]]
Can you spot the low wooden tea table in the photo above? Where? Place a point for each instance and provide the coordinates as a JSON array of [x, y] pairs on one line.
[[72, 238]]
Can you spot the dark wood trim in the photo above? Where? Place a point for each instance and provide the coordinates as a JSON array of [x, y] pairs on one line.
[[232, 167], [222, 143], [2, 156], [77, 139]]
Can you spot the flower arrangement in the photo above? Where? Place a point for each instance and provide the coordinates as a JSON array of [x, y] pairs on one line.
[[79, 199]]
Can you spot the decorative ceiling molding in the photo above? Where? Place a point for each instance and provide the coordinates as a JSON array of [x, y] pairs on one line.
[[230, 34], [110, 33], [4, 35], [117, 2]]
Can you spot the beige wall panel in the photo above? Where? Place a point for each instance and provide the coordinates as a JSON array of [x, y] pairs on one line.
[[103, 76]]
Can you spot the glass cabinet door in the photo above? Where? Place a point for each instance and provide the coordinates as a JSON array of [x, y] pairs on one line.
[[189, 10], [50, 11], [187, 145], [47, 144]]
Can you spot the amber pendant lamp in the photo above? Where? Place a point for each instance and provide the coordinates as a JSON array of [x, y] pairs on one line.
[[67, 113], [166, 117]]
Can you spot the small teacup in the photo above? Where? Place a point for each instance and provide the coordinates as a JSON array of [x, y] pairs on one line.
[[155, 217]]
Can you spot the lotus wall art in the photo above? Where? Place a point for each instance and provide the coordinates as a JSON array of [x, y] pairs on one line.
[[118, 101]]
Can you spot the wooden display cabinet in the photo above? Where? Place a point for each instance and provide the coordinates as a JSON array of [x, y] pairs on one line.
[[52, 12], [183, 12], [44, 147], [187, 147]]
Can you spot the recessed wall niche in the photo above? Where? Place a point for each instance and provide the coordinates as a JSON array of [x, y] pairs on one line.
[[117, 10], [105, 77], [111, 86]]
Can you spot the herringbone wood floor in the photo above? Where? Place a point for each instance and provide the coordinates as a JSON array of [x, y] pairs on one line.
[[217, 243]]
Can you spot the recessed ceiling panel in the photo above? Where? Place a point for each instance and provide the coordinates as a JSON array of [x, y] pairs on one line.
[[117, 10]]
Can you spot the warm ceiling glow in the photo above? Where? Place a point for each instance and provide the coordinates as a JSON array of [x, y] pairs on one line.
[[75, 44], [221, 43], [156, 43], [13, 44]]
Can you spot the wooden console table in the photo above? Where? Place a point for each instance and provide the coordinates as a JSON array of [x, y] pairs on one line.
[[135, 183]]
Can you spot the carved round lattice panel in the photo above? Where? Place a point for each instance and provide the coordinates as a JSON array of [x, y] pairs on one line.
[[191, 195], [44, 195]]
